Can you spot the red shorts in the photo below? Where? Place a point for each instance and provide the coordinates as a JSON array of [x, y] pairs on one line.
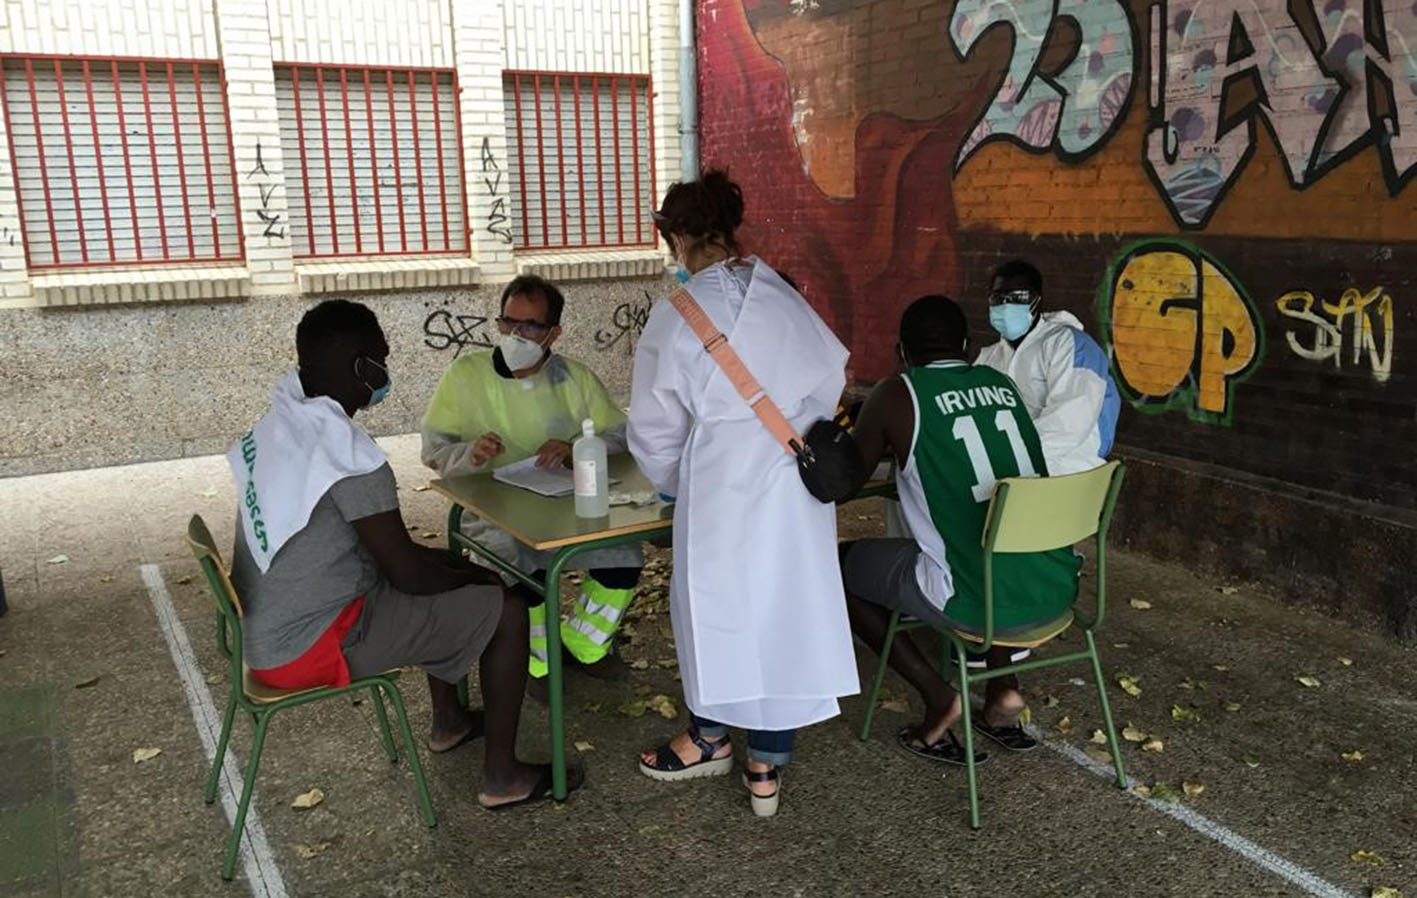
[[323, 663]]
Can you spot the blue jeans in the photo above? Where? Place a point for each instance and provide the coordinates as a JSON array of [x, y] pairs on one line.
[[764, 746]]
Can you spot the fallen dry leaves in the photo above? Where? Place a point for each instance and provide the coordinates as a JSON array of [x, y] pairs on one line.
[[307, 800]]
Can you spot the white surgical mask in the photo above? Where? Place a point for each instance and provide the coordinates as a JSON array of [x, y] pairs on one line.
[[520, 353]]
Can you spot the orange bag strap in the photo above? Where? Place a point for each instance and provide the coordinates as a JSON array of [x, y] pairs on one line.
[[723, 353]]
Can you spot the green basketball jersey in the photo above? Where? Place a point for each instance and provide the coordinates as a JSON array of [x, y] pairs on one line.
[[972, 430]]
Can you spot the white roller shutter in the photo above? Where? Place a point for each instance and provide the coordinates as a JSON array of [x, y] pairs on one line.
[[372, 160], [574, 194], [121, 161]]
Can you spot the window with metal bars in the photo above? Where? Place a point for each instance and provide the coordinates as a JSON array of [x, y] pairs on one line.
[[379, 167], [580, 151], [121, 161]]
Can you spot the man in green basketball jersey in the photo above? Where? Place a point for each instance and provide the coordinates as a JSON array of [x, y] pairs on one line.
[[954, 430]]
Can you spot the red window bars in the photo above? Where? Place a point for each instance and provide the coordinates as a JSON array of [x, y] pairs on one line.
[[380, 160], [581, 159], [121, 161]]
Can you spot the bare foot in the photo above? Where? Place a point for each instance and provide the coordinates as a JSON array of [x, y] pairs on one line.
[[938, 720], [688, 752], [451, 730], [513, 785], [1004, 708]]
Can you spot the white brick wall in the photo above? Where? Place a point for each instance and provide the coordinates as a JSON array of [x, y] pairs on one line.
[[246, 52], [478, 43], [579, 35], [386, 32], [184, 29], [479, 38]]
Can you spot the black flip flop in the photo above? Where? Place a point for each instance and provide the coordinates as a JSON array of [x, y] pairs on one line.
[[1012, 737], [946, 751], [575, 778]]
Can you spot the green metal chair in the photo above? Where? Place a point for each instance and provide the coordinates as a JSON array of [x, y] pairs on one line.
[[262, 701], [1033, 514]]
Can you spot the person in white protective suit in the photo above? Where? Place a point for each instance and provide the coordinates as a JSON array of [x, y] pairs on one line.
[[756, 600], [1060, 371]]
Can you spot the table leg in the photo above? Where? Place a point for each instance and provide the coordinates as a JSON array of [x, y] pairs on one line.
[[553, 673]]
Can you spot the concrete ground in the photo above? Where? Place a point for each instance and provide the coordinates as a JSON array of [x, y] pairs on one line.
[[87, 677]]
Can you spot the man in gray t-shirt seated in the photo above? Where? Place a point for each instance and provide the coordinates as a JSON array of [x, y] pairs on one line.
[[349, 594]]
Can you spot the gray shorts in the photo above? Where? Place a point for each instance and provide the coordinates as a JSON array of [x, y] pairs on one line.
[[444, 633], [882, 572]]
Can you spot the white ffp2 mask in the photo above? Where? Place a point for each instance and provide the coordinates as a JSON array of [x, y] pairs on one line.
[[520, 353]]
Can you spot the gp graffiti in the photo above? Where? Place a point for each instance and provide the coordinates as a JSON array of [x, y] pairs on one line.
[[266, 186], [498, 224], [443, 329], [1320, 105], [1181, 330], [1363, 315], [628, 318]]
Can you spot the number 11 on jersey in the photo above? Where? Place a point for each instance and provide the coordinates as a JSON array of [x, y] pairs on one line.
[[967, 432]]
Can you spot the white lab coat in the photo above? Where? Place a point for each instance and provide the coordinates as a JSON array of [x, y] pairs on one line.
[[1062, 375], [756, 600]]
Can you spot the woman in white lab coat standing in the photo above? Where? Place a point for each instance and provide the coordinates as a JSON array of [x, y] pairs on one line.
[[756, 599]]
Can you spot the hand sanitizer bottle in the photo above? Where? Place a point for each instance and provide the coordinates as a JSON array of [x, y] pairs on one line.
[[592, 473]]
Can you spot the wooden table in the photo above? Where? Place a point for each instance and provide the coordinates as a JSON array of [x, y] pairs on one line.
[[547, 524]]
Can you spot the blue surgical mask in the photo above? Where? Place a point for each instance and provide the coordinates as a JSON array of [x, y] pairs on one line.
[[681, 274], [379, 395], [1011, 319]]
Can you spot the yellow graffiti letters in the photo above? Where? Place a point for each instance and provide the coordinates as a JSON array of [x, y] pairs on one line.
[[1182, 331], [1362, 314]]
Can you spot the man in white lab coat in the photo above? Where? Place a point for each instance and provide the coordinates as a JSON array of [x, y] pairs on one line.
[[1060, 371], [757, 603]]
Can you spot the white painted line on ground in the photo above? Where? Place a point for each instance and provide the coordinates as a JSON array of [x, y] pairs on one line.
[[1255, 854], [256, 859]]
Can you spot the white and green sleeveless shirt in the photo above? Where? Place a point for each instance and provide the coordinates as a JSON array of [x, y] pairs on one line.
[[971, 430]]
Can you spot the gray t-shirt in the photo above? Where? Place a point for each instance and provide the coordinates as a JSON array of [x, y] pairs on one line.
[[315, 574]]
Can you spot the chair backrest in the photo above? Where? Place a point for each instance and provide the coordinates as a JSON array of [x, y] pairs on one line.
[[203, 546], [1035, 514]]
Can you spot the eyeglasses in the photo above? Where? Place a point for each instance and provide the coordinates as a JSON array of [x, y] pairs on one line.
[[1022, 297], [532, 330]]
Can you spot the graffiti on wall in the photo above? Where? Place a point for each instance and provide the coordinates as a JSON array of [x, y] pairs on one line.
[[1320, 108], [1326, 80], [1073, 111], [1181, 330], [1361, 323], [627, 322], [445, 329]]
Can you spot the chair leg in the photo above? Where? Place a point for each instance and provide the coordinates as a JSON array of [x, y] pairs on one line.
[[1106, 711], [226, 721], [424, 799], [879, 680], [233, 843], [385, 734], [967, 723]]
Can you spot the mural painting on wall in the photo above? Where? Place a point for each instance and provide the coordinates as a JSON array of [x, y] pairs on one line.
[[1182, 330], [1320, 108], [882, 144]]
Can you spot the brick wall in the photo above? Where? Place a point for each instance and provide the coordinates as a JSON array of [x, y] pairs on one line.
[[242, 310], [1220, 194]]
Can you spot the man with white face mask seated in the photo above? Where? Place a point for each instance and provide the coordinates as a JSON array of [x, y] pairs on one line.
[[522, 400]]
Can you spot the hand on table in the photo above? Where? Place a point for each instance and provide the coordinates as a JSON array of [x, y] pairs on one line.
[[553, 454], [487, 448]]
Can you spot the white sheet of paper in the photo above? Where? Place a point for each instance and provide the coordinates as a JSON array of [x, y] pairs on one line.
[[555, 482]]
